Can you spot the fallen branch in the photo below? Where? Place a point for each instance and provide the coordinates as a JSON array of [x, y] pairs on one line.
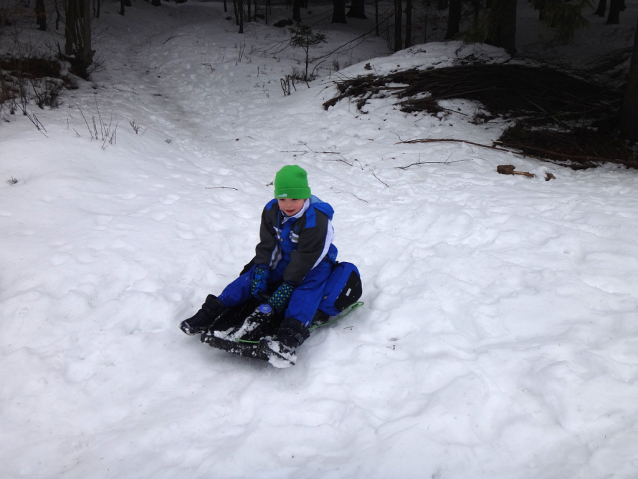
[[419, 163], [572, 157], [380, 180], [509, 170], [514, 145], [436, 140]]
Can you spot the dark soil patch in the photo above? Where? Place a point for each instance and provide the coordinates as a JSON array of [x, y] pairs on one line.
[[557, 116], [31, 67]]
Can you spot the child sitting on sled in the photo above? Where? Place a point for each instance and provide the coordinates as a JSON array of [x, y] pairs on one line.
[[293, 262]]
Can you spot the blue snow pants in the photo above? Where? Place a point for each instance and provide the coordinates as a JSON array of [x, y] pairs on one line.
[[304, 300]]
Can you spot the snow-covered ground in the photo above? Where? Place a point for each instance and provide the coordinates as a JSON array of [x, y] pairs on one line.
[[499, 335]]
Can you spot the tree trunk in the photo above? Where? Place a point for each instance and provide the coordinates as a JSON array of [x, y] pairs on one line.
[[614, 12], [249, 13], [425, 27], [41, 15], [156, 3], [540, 6], [376, 17], [86, 54], [77, 33], [397, 25], [58, 16], [453, 19], [240, 9], [339, 11], [629, 107], [602, 8], [70, 33], [357, 9], [408, 23], [503, 25], [476, 9], [441, 4], [296, 10]]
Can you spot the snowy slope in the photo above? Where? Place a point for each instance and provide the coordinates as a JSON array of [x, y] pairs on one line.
[[498, 337]]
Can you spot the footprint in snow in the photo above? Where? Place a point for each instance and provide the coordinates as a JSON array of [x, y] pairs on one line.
[[169, 200]]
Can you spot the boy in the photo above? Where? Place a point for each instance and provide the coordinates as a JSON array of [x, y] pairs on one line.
[[293, 260]]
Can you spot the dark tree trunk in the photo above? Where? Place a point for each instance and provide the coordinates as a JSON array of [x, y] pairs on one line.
[[122, 7], [77, 35], [357, 9], [225, 6], [503, 30], [441, 4], [476, 9], [397, 25], [249, 13], [376, 17], [602, 8], [41, 15], [614, 12], [296, 10], [453, 19], [240, 9], [236, 12], [339, 11], [540, 6], [97, 6], [425, 27], [156, 3], [58, 16], [408, 23], [629, 107]]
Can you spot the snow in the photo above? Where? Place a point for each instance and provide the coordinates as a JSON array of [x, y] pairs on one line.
[[498, 337]]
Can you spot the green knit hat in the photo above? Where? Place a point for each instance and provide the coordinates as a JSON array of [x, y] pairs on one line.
[[292, 182]]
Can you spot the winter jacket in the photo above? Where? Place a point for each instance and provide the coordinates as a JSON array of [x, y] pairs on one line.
[[299, 242]]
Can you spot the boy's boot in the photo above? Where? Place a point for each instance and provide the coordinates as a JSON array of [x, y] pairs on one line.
[[261, 316], [291, 334], [205, 317]]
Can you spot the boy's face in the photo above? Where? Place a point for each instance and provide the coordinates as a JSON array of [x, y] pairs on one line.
[[290, 206]]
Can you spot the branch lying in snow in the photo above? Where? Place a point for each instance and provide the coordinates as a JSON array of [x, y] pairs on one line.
[[509, 170], [342, 160], [418, 163], [221, 187], [380, 180], [174, 36], [435, 140], [358, 198], [513, 145]]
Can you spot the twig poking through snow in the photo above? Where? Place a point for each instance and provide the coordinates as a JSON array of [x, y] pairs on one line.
[[383, 182]]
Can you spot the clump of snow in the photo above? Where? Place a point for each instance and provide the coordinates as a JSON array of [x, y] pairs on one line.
[[498, 336]]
